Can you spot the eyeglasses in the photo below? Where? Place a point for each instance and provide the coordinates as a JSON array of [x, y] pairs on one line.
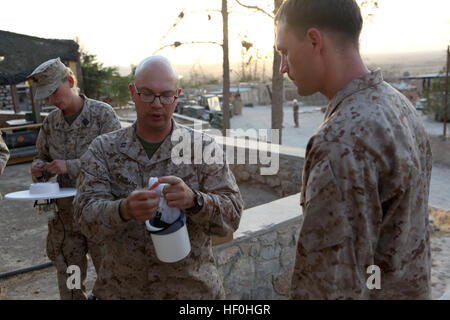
[[150, 97]]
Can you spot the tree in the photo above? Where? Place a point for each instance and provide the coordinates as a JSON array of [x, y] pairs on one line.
[[225, 65], [104, 83], [226, 71], [435, 97], [277, 77]]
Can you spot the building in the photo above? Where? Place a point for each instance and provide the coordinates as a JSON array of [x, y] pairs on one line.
[[408, 90], [19, 56]]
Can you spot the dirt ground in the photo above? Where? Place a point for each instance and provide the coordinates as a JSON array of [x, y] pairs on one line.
[[22, 234], [22, 243]]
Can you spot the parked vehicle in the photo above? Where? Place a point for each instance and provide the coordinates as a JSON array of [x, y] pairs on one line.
[[205, 107]]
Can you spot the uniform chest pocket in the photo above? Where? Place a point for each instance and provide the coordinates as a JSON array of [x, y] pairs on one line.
[[185, 172], [126, 179]]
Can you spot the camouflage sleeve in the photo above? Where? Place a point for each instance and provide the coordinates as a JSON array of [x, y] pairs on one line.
[[110, 121], [96, 210], [4, 154], [43, 149], [73, 168], [223, 204], [342, 218]]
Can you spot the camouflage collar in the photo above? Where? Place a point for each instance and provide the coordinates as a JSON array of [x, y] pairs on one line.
[[366, 81], [62, 123], [132, 148]]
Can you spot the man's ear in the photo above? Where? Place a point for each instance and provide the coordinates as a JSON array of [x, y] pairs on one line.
[[71, 81], [131, 88], [315, 38]]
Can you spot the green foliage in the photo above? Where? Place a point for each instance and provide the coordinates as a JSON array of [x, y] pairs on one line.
[[104, 83], [435, 96], [198, 79]]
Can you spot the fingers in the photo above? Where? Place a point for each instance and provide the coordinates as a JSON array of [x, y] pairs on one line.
[[36, 172], [52, 167], [142, 204], [37, 168], [171, 180], [56, 167], [177, 193]]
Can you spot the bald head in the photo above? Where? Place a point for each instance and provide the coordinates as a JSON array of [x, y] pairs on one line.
[[158, 65]]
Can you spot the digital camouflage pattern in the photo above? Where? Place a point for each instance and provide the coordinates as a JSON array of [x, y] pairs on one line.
[[4, 154], [117, 164], [365, 191], [47, 77], [57, 140]]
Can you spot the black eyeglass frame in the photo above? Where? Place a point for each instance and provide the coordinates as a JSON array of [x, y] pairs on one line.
[[155, 96]]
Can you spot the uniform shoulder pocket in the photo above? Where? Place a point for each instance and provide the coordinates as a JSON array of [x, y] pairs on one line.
[[325, 221]]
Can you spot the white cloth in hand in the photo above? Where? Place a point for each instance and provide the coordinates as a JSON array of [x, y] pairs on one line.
[[168, 215]]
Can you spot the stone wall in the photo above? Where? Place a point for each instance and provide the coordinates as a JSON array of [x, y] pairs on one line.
[[6, 102], [284, 182], [258, 262]]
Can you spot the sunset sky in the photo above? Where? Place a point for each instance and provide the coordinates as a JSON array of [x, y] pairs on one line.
[[121, 33]]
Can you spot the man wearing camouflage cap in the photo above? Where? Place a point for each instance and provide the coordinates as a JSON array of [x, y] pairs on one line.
[[64, 137], [4, 154], [113, 200]]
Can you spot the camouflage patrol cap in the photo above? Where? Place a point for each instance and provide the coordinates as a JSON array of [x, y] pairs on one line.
[[48, 76]]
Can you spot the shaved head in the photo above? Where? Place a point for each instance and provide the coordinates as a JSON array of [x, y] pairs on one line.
[[155, 79], [158, 64]]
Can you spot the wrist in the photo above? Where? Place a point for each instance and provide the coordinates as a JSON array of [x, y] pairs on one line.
[[123, 210], [191, 203], [198, 203]]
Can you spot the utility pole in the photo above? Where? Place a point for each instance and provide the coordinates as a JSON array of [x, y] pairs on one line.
[[277, 87], [226, 71], [446, 94]]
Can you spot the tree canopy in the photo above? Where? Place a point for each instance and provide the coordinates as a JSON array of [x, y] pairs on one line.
[[104, 83]]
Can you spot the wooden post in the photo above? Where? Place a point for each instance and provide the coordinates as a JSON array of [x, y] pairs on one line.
[[226, 71], [35, 106], [277, 88], [446, 93], [15, 98]]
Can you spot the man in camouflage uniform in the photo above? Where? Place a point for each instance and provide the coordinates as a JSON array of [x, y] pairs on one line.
[[366, 174], [64, 136], [4, 154], [113, 200]]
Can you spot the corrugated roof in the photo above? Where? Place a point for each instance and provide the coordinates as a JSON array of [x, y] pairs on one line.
[[22, 54], [402, 86]]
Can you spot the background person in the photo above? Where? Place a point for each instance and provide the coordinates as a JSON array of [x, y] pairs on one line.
[[295, 110], [366, 174], [113, 200], [4, 154], [64, 136]]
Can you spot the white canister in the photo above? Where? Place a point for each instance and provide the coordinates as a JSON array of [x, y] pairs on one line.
[[172, 242]]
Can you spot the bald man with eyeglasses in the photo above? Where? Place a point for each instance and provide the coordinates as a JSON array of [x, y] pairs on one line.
[[114, 200]]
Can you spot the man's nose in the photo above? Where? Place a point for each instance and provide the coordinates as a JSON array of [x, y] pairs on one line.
[[157, 102], [283, 65]]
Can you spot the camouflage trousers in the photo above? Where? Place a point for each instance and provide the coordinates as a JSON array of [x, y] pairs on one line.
[[66, 246]]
